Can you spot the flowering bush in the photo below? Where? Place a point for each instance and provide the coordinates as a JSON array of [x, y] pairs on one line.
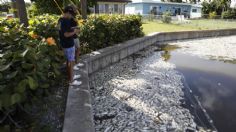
[[44, 25], [28, 66]]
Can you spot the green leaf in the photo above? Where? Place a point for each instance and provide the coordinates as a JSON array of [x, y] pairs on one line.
[[27, 65], [16, 39], [2, 87], [57, 72], [4, 67], [25, 52], [32, 83], [15, 98], [1, 76], [45, 86], [31, 21], [8, 55], [5, 98], [21, 86], [11, 75]]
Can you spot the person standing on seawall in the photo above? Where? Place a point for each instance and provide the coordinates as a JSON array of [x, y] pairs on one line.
[[66, 33], [74, 24]]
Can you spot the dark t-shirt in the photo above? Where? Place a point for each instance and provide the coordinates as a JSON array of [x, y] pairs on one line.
[[65, 26]]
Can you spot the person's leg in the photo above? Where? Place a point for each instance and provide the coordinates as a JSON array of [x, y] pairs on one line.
[[70, 71], [67, 69], [77, 50], [77, 53], [70, 56]]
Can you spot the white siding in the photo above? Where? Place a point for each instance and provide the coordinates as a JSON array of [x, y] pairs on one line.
[[134, 9], [129, 10], [233, 4], [195, 12]]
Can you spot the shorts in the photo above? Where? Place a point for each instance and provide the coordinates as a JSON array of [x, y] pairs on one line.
[[77, 43], [70, 53]]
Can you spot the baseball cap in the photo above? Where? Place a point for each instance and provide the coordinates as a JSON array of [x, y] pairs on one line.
[[69, 9]]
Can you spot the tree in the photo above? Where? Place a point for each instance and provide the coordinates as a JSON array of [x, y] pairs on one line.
[[84, 9], [4, 7], [217, 6], [49, 6], [20, 11]]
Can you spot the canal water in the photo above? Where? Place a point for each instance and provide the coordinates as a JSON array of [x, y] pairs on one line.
[[212, 82]]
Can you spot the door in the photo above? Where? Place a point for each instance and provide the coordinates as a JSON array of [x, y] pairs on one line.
[[177, 11]]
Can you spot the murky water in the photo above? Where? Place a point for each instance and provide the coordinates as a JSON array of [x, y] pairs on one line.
[[213, 82]]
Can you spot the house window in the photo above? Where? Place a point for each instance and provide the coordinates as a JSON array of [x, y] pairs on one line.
[[153, 10], [106, 8], [111, 9], [101, 8], [120, 9], [194, 10], [116, 8]]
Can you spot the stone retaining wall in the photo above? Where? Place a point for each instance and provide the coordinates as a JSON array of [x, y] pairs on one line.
[[78, 116]]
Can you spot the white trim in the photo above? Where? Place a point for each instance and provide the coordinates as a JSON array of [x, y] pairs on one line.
[[169, 3]]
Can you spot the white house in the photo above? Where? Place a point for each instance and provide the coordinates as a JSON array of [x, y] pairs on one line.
[[144, 7]]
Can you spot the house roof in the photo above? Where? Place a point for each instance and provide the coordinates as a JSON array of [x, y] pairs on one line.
[[168, 3], [122, 1]]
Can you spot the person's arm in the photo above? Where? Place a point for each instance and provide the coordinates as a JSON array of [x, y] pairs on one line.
[[70, 34]]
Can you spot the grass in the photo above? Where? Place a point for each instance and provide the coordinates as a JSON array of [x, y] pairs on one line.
[[203, 24]]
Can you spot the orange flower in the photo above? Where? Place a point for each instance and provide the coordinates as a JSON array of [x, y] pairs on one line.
[[51, 41], [33, 35]]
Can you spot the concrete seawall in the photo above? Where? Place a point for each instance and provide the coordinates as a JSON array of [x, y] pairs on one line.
[[78, 116]]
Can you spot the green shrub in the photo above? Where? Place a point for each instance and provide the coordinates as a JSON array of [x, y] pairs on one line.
[[166, 17], [105, 30], [9, 23], [213, 15], [44, 25], [228, 15], [151, 17], [28, 68], [32, 10]]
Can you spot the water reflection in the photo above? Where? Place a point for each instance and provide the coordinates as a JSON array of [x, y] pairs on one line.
[[213, 81], [217, 94], [166, 51]]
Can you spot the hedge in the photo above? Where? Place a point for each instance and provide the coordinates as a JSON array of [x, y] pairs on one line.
[[105, 30], [228, 14]]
